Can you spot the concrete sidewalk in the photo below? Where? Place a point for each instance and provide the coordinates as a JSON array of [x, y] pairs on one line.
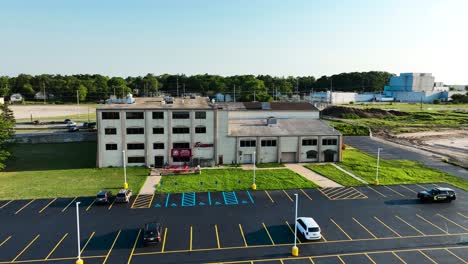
[[312, 176], [151, 182]]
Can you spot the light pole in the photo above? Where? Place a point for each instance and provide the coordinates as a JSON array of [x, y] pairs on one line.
[[295, 249], [377, 169], [254, 186], [125, 170], [79, 260]]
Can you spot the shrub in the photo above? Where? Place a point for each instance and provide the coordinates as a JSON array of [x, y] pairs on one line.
[[436, 101], [349, 116]]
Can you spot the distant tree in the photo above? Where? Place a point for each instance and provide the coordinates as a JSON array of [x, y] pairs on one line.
[[150, 85], [82, 92], [118, 86], [7, 123], [4, 86], [466, 87]]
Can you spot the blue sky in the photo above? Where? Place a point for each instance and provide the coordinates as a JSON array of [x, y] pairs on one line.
[[281, 38]]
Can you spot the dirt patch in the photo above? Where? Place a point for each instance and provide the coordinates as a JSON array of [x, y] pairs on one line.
[[349, 112]]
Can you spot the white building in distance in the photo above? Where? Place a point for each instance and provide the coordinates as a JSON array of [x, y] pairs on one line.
[[190, 131], [416, 87]]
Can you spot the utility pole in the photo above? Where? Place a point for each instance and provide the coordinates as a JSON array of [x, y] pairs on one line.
[[77, 97], [177, 85], [254, 97], [43, 87], [184, 90], [234, 93], [297, 85], [331, 90]]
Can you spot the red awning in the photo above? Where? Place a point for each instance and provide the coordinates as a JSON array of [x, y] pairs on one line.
[[181, 153]]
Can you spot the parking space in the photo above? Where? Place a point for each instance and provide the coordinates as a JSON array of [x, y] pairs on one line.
[[200, 199], [342, 193]]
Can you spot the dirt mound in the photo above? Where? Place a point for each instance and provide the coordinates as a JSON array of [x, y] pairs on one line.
[[349, 112]]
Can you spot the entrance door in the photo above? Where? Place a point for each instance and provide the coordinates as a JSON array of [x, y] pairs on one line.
[[158, 161], [247, 158], [220, 160], [329, 156], [288, 157]]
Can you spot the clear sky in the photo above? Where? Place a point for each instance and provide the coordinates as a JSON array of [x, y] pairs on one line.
[[277, 37]]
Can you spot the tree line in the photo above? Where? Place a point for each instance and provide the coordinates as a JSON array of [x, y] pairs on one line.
[[7, 123], [92, 87]]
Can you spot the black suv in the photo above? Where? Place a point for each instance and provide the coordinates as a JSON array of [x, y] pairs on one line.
[[152, 233], [103, 197], [437, 194]]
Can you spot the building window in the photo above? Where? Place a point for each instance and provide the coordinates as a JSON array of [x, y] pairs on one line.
[[200, 130], [136, 159], [181, 159], [135, 146], [269, 143], [110, 131], [135, 130], [248, 143], [180, 130], [110, 115], [158, 130], [329, 142], [311, 154], [158, 115], [180, 115], [309, 142], [181, 145], [135, 115], [200, 115], [158, 145], [111, 146]]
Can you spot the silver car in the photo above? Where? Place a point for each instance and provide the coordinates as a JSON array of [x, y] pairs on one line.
[[123, 196]]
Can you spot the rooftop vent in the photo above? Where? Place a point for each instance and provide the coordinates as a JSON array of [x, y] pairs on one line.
[[168, 100], [272, 121]]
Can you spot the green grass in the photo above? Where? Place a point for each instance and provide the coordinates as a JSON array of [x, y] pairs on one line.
[[269, 165], [395, 171], [61, 170], [334, 174], [411, 107], [348, 129], [228, 180]]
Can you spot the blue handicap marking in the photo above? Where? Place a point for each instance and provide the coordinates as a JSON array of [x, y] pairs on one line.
[[244, 202], [173, 204], [188, 199], [217, 203], [157, 205], [201, 203], [230, 198], [250, 197]]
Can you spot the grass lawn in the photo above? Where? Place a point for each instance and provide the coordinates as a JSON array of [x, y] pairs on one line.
[[410, 107], [233, 180], [270, 165], [395, 171], [61, 170], [335, 174]]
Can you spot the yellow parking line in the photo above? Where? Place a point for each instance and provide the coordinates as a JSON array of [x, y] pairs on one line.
[[310, 198], [365, 228], [134, 201], [394, 191], [335, 190], [399, 258], [242, 233], [151, 201], [24, 206], [463, 215], [324, 194], [292, 231], [58, 244], [269, 196], [389, 228], [341, 260], [112, 246], [110, 206], [281, 261], [417, 230], [344, 193], [65, 208], [26, 248], [367, 255], [268, 233], [4, 241], [429, 258], [429, 222], [87, 242], [90, 205], [191, 236], [288, 196], [341, 229], [217, 236], [47, 205], [462, 227], [376, 191], [311, 261], [7, 203], [134, 246], [164, 240], [411, 190], [453, 254]]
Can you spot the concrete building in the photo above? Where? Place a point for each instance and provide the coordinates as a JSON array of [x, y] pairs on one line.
[[157, 132], [416, 87]]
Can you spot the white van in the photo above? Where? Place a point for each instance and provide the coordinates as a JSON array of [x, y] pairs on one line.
[[308, 228]]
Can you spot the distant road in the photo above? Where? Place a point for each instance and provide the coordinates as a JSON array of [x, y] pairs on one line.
[[42, 111]]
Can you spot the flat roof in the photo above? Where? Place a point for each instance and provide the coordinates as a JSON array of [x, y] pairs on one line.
[[158, 103], [267, 106], [284, 127]]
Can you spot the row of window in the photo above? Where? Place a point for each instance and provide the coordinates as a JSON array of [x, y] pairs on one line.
[[156, 130], [272, 142], [156, 115], [136, 146]]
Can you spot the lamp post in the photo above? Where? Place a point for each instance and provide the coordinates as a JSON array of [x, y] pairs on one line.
[[79, 260], [254, 186], [377, 169], [295, 249], [125, 170]]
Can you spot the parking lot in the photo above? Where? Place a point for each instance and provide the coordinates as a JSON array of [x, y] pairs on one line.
[[372, 224]]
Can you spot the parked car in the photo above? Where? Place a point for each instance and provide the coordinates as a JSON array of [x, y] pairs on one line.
[[73, 129], [123, 196], [92, 125], [71, 124], [308, 228], [103, 197], [66, 121], [152, 233], [85, 125], [437, 194]]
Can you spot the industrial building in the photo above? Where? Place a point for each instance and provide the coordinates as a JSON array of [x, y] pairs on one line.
[[416, 87], [157, 132]]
